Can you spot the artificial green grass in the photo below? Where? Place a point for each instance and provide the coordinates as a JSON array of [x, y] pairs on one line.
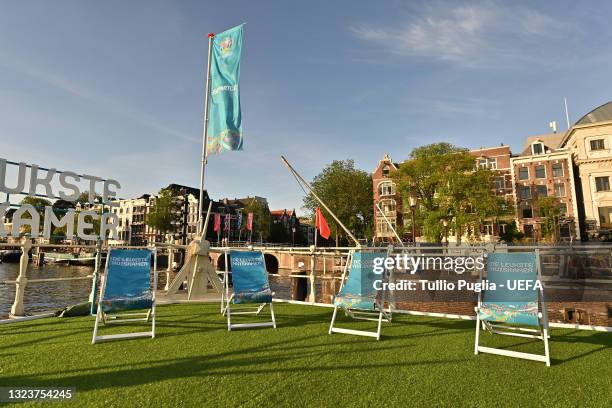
[[195, 362]]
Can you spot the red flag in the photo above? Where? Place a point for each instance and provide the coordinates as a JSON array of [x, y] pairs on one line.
[[321, 224], [217, 222], [250, 221]]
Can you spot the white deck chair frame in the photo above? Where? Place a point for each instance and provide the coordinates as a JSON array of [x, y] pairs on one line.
[[379, 316], [125, 317], [255, 309], [542, 333]]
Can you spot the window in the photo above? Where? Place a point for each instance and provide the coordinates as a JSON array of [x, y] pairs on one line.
[[559, 190], [493, 164], [500, 183], [386, 188], [488, 229], [563, 209], [602, 183], [502, 227], [482, 163], [540, 172], [527, 212], [597, 144], [557, 170], [542, 191], [525, 192], [383, 227], [537, 148], [385, 170], [387, 206], [523, 173]]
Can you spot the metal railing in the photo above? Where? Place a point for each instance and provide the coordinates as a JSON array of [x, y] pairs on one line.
[[320, 264]]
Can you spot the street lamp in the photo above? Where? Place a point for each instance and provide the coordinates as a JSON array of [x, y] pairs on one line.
[[445, 223], [413, 205]]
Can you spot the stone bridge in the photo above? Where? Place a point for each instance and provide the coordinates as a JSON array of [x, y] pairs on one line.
[[284, 263]]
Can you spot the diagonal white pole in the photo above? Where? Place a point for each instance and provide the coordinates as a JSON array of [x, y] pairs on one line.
[[320, 201], [211, 36]]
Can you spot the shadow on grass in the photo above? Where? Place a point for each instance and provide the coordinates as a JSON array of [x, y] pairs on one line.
[[247, 364]]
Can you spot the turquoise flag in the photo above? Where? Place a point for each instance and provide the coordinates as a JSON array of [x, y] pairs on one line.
[[224, 116]]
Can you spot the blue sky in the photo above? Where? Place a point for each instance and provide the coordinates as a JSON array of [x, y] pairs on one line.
[[116, 88]]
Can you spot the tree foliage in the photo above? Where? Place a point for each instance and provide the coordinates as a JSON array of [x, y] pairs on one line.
[[548, 208], [165, 212], [443, 178], [512, 233], [261, 219], [347, 191]]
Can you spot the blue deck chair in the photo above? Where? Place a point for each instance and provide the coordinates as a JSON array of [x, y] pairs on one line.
[[358, 296], [520, 313], [127, 286], [251, 288]]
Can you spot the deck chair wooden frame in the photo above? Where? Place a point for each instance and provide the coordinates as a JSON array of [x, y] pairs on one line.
[[228, 309], [541, 333], [108, 319], [379, 316]]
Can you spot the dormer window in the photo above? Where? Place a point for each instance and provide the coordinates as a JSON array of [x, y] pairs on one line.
[[537, 148]]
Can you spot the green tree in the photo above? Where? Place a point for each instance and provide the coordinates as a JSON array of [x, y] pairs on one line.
[[261, 219], [84, 197], [443, 178], [347, 191], [165, 212], [39, 205], [512, 233], [548, 208]]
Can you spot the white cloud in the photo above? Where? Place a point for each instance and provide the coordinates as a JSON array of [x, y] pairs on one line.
[[473, 35]]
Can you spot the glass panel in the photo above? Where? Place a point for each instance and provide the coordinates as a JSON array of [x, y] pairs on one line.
[[597, 144], [523, 173], [540, 172], [602, 183], [560, 190], [538, 148], [542, 191], [557, 170], [525, 192]]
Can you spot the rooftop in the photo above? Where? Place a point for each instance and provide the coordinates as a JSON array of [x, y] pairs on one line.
[[552, 141], [194, 361], [602, 113]]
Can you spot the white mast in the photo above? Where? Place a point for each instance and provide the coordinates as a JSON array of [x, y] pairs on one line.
[[211, 36]]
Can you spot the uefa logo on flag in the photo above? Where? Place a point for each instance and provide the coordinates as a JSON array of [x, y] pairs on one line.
[[226, 45]]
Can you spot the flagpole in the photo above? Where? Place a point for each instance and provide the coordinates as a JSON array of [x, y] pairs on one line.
[[211, 36], [320, 201]]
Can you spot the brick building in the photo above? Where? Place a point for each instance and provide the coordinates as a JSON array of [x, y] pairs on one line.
[[544, 169], [496, 159], [399, 213], [388, 199]]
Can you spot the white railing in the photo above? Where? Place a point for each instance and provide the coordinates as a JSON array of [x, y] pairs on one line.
[[315, 269]]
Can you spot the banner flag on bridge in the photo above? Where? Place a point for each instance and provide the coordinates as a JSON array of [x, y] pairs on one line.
[[321, 224], [250, 222], [217, 222], [224, 115]]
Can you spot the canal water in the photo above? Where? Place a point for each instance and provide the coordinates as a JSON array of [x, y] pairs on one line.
[[45, 296]]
